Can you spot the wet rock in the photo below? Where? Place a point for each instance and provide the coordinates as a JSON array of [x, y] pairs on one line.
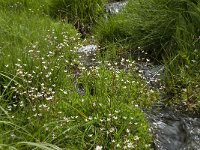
[[115, 7], [152, 74], [173, 131], [87, 55], [80, 88], [88, 49]]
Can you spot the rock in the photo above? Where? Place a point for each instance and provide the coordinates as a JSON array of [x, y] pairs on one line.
[[88, 49], [152, 74], [115, 7], [87, 55], [173, 131]]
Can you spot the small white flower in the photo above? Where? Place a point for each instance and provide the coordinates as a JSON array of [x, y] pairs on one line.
[[147, 60], [49, 98], [127, 130], [98, 147], [118, 145], [30, 51], [136, 138], [90, 135], [94, 104], [112, 130], [193, 61], [115, 117]]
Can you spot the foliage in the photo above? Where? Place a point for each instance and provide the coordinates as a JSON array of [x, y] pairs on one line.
[[30, 47], [45, 105], [82, 13], [110, 117], [150, 24], [34, 6], [169, 31], [182, 77]]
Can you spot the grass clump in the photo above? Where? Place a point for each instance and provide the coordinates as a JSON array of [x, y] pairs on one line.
[[151, 24], [182, 77], [45, 105], [81, 13]]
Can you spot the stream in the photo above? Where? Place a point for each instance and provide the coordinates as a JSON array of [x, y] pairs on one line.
[[171, 130]]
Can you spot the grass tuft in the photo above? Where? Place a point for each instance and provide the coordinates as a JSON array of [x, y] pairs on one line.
[[81, 13]]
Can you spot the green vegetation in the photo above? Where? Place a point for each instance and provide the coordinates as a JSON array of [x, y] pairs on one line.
[[82, 13], [44, 105], [34, 6], [50, 100], [167, 29]]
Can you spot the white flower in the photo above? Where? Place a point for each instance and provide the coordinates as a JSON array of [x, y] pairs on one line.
[[127, 130], [49, 98], [98, 147], [90, 135], [112, 130], [136, 138]]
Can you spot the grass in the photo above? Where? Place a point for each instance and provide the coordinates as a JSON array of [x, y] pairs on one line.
[[43, 105], [25, 5], [50, 100], [168, 30], [82, 13], [151, 25]]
